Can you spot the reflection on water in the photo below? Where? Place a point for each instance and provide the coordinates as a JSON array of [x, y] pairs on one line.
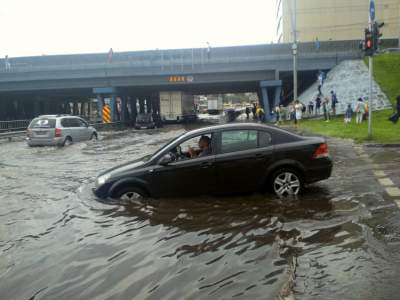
[[58, 242]]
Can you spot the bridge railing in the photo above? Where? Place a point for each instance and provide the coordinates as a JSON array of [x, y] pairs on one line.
[[14, 125], [172, 59]]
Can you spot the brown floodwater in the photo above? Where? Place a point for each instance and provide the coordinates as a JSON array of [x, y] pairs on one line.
[[57, 241]]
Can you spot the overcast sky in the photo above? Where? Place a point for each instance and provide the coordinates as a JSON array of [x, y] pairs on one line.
[[36, 27]]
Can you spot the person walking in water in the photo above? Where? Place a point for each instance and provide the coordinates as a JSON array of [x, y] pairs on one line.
[[360, 111]]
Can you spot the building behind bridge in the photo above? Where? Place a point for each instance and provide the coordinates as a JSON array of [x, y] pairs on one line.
[[335, 20]]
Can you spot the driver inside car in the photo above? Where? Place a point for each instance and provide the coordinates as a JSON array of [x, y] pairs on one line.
[[204, 145]]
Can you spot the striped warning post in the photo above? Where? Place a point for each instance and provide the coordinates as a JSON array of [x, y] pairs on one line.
[[106, 114]]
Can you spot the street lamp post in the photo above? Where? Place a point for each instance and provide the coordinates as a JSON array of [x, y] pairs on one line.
[[294, 50], [371, 63]]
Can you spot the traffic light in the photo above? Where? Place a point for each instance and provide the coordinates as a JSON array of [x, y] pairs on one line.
[[368, 43], [377, 34]]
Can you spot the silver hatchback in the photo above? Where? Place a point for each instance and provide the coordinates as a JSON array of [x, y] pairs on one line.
[[59, 130]]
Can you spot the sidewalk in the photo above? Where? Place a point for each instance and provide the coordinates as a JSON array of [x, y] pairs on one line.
[[385, 162]]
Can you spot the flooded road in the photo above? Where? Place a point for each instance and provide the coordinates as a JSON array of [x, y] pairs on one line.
[[58, 242]]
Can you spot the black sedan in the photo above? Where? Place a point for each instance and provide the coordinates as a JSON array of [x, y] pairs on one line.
[[224, 159]]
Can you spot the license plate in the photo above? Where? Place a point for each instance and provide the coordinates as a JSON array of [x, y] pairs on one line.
[[41, 132]]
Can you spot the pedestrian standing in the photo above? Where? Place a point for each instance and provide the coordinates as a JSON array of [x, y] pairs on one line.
[[260, 113], [317, 44], [360, 110], [325, 108], [282, 112], [299, 111], [320, 81], [348, 114], [310, 108], [277, 115], [254, 110], [291, 112], [395, 117], [334, 101], [7, 64], [318, 106], [247, 112]]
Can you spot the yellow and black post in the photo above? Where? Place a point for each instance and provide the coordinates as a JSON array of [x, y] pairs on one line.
[[106, 114]]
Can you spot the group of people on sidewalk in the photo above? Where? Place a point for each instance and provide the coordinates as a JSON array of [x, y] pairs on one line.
[[257, 111]]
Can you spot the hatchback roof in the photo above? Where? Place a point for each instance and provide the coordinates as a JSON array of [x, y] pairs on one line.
[[55, 116]]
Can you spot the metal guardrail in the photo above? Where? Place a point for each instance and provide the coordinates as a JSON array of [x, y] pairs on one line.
[[12, 134], [14, 125]]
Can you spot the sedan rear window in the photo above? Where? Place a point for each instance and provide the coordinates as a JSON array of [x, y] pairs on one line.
[[238, 140], [43, 123], [264, 139]]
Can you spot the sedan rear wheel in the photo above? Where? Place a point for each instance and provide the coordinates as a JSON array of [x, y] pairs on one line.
[[287, 182]]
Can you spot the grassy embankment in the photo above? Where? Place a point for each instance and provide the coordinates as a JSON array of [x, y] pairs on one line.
[[387, 74]]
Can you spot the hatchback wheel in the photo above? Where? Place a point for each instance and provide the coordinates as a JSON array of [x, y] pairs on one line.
[[67, 141], [93, 137], [287, 182]]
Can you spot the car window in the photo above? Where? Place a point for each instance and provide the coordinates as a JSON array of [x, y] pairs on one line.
[[264, 139], [193, 142], [238, 140], [65, 122], [43, 123], [82, 123], [73, 122], [190, 148]]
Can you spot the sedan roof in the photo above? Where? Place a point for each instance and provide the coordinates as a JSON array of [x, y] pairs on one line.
[[236, 126]]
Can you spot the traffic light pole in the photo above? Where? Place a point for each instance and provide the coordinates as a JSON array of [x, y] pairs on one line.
[[371, 104]]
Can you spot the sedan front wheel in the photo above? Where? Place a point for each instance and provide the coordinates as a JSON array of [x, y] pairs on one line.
[[130, 194]]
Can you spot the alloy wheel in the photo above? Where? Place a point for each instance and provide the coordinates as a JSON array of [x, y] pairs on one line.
[[130, 196], [287, 183]]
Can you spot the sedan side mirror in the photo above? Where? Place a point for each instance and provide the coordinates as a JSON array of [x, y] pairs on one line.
[[165, 160]]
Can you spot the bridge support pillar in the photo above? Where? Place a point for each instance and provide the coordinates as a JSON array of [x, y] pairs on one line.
[[113, 106], [124, 110], [141, 105], [269, 96], [75, 109], [100, 104], [133, 104]]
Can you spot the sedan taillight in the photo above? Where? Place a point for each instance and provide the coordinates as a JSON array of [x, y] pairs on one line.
[[322, 151], [57, 132]]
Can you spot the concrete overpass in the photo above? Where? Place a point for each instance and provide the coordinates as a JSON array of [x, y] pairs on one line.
[[141, 74]]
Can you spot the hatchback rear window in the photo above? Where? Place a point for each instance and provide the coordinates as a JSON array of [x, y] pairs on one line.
[[43, 123]]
